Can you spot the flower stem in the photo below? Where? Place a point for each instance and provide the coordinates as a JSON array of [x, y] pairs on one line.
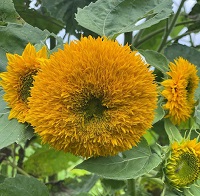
[[131, 183], [18, 169], [128, 38], [169, 28]]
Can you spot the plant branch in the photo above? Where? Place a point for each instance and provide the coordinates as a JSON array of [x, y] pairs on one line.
[[149, 36], [170, 27]]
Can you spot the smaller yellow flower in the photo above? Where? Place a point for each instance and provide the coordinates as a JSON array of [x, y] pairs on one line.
[[183, 165], [179, 90], [19, 78]]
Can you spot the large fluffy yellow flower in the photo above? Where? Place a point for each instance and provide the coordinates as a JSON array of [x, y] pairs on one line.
[[179, 90], [94, 98], [18, 79], [183, 165]]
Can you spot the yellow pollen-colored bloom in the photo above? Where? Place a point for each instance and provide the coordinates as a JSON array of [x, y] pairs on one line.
[[94, 98], [18, 79], [183, 165], [179, 90]]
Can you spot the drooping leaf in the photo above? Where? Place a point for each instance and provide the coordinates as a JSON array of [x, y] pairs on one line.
[[65, 11], [111, 18], [38, 18], [8, 13], [176, 50], [172, 131], [11, 130], [132, 164], [156, 60], [23, 185], [46, 161]]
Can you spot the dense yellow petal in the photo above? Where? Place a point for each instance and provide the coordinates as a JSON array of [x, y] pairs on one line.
[[94, 98], [179, 90], [17, 80]]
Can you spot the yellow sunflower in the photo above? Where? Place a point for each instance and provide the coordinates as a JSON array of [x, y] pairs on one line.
[[183, 165], [179, 90], [18, 79], [94, 98]]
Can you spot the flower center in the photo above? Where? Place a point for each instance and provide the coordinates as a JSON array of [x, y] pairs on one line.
[[26, 84], [187, 168], [94, 109]]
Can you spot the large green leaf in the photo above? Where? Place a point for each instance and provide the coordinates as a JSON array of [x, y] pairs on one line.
[[110, 18], [176, 50], [11, 130], [23, 185], [8, 13], [46, 161], [132, 164]]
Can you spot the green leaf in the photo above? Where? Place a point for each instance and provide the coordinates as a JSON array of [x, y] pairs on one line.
[[22, 185], [11, 130], [8, 13], [159, 113], [16, 37], [156, 60], [38, 18], [111, 18], [65, 11], [132, 164], [172, 132], [176, 50], [194, 189], [46, 161]]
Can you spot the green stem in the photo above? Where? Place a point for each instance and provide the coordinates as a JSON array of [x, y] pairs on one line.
[[171, 26], [128, 37], [52, 42], [137, 37], [179, 37], [18, 169], [131, 183], [150, 35]]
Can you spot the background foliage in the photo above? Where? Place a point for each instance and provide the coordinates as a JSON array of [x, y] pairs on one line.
[[28, 167]]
